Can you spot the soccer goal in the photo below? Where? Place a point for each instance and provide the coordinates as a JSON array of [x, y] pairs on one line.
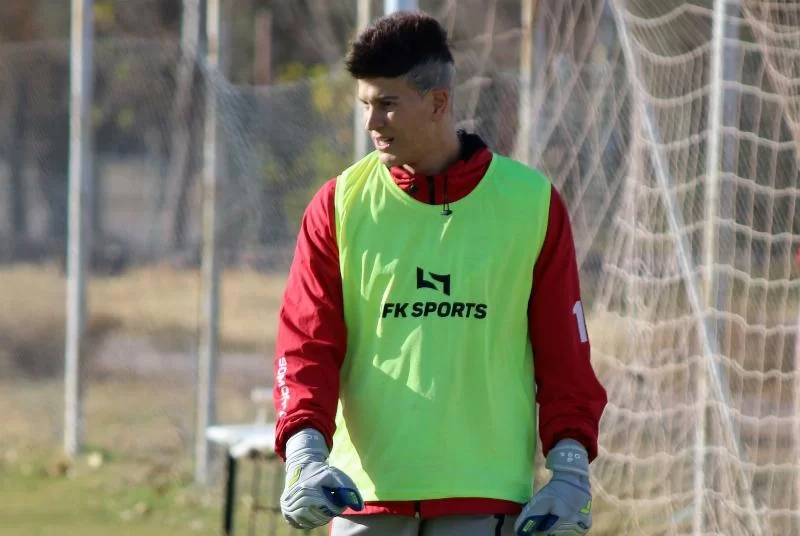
[[671, 128]]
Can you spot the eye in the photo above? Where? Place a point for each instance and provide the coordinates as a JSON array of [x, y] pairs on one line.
[[387, 104]]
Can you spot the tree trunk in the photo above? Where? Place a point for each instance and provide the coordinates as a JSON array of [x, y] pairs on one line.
[[262, 62], [19, 208], [178, 180]]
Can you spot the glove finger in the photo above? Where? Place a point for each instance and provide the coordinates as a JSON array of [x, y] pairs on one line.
[[319, 516], [344, 490], [291, 518], [565, 515], [569, 528], [309, 505], [529, 525], [540, 505], [344, 497], [536, 516], [309, 518], [573, 498]]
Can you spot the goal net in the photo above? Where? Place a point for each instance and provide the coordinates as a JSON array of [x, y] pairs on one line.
[[671, 129], [694, 296]]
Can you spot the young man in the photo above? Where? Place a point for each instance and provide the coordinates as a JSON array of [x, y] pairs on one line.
[[432, 302]]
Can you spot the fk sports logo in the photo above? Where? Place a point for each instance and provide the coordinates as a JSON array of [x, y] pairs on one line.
[[439, 283], [444, 280]]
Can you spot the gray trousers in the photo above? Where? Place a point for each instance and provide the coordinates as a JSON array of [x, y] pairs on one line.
[[388, 525]]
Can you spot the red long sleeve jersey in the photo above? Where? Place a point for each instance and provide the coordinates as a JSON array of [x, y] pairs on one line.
[[312, 335]]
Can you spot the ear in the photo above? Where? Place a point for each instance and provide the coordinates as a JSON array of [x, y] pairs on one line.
[[441, 103]]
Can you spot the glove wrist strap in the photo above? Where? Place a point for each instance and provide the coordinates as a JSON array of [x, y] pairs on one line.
[[307, 445], [568, 456]]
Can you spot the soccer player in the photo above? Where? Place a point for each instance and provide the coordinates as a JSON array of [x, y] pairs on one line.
[[432, 302]]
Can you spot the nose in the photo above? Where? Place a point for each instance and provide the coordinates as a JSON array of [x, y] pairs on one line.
[[373, 119]]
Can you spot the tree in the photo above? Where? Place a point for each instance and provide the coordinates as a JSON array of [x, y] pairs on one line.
[[17, 23]]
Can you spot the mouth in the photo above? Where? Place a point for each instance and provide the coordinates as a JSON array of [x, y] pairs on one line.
[[382, 143]]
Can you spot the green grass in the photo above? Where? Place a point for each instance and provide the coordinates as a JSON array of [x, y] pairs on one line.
[[40, 497], [143, 428], [144, 485], [43, 494]]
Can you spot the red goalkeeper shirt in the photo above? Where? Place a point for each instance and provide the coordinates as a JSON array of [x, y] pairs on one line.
[[312, 335]]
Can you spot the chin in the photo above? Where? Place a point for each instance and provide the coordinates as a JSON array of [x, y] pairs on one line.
[[389, 159]]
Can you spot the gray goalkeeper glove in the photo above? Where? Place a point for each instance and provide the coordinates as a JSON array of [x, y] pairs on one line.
[[563, 507], [314, 492]]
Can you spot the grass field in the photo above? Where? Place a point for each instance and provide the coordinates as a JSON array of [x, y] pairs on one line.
[[39, 496], [139, 427], [136, 474]]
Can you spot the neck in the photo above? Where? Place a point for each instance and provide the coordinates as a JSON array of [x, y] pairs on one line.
[[435, 162]]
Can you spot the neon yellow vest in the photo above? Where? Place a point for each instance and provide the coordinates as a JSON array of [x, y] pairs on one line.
[[437, 390]]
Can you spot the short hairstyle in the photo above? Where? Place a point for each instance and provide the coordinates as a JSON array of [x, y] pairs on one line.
[[405, 44]]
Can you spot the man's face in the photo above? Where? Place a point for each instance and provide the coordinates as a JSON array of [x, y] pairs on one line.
[[400, 121]]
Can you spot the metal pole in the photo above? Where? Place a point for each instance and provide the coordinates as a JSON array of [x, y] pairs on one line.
[[79, 225], [360, 137], [797, 404], [229, 508], [714, 154], [390, 6], [525, 114], [713, 160], [209, 329], [721, 159]]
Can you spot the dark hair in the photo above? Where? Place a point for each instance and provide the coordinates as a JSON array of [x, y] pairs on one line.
[[403, 44]]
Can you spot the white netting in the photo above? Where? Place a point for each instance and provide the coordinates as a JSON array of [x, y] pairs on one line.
[[620, 98], [688, 348]]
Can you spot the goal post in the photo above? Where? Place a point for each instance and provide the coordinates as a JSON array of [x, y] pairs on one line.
[[669, 127]]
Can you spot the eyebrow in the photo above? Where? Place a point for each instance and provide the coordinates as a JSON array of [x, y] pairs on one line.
[[381, 98]]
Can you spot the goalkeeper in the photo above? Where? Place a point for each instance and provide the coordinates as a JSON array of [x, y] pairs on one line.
[[432, 302]]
